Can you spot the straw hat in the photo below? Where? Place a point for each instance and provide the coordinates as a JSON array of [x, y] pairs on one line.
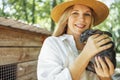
[[101, 11]]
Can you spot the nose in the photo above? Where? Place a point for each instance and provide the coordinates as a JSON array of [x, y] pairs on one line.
[[81, 17]]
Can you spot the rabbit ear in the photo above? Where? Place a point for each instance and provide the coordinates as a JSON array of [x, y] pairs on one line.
[[84, 36], [87, 33]]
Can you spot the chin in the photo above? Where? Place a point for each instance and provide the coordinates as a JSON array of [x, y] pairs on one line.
[[78, 33]]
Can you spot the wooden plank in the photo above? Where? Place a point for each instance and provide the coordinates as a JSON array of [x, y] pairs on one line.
[[31, 76], [15, 55], [7, 43], [14, 37], [11, 23], [26, 68]]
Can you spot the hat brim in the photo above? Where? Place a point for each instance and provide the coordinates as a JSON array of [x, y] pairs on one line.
[[101, 11]]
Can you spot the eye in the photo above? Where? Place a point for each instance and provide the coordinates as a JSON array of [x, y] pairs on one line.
[[87, 14], [75, 13]]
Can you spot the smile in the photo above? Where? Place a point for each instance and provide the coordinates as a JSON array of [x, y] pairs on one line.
[[80, 25]]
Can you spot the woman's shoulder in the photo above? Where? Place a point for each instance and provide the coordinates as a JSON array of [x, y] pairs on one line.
[[51, 38], [55, 39]]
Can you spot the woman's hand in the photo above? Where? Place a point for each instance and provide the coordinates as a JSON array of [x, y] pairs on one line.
[[94, 44], [102, 70]]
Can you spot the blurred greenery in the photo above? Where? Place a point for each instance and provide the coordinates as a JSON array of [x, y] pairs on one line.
[[37, 12], [30, 11], [112, 24]]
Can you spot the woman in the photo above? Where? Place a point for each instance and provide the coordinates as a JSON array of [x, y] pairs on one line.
[[62, 56]]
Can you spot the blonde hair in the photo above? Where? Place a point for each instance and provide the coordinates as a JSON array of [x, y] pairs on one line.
[[62, 23], [61, 27]]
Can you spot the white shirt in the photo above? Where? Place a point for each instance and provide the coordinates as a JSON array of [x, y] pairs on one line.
[[56, 56]]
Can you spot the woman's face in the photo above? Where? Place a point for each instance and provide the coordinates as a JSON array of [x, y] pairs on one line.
[[79, 20]]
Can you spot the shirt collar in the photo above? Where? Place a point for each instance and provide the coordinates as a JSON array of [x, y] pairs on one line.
[[66, 36], [71, 40]]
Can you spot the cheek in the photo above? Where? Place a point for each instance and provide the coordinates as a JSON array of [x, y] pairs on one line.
[[70, 22], [89, 23]]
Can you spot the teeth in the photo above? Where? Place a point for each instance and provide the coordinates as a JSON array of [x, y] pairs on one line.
[[78, 25]]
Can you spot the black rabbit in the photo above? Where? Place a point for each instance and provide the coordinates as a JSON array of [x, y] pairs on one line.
[[110, 53]]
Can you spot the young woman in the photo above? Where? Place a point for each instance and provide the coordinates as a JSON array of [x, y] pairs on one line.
[[62, 56]]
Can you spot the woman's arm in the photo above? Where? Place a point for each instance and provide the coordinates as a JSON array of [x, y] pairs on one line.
[[78, 67], [92, 47]]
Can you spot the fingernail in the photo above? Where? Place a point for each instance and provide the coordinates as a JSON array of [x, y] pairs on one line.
[[96, 57], [99, 57], [105, 57]]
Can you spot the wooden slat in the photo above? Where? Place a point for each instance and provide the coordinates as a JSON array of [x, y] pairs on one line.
[[16, 37], [26, 67], [21, 25], [7, 43], [15, 55], [31, 76]]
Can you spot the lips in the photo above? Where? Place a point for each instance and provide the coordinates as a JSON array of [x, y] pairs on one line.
[[80, 25]]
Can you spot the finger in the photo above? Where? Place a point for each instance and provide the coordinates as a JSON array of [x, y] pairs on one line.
[[102, 42], [95, 36], [101, 37], [96, 70], [97, 67], [104, 47], [103, 65], [110, 65], [97, 62]]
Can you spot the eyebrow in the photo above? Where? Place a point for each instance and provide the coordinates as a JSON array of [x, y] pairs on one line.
[[86, 10]]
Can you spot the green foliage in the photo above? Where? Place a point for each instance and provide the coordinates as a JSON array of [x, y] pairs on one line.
[[112, 24], [30, 11]]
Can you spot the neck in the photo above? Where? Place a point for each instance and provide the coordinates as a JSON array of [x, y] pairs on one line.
[[78, 44], [77, 41]]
